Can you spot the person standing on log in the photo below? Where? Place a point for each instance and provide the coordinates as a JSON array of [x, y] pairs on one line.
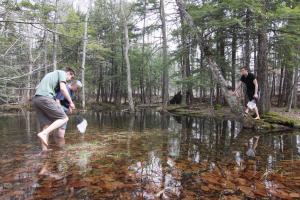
[[250, 81]]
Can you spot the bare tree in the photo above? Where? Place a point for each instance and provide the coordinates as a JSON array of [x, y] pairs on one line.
[[30, 64], [165, 89], [55, 37], [85, 40], [233, 102], [126, 49]]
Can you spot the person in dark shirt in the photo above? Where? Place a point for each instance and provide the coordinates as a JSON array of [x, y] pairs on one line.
[[250, 81], [60, 99]]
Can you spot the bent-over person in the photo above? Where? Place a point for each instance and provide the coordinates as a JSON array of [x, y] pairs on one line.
[[49, 113]]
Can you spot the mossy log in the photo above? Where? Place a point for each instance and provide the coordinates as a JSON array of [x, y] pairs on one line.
[[269, 122], [275, 118], [12, 108]]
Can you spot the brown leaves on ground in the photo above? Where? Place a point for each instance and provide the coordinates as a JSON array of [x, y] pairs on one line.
[[236, 183]]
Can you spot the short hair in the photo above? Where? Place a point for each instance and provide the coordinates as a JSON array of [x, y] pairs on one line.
[[245, 68], [69, 69], [78, 83]]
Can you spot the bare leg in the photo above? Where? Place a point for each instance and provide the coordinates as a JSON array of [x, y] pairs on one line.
[[256, 142], [59, 141], [247, 110], [256, 112], [44, 135], [44, 170], [44, 147], [61, 132]]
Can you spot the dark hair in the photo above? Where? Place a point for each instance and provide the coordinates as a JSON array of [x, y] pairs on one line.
[[69, 69], [245, 68]]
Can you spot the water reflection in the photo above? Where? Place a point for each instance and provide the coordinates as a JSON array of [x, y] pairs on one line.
[[146, 155]]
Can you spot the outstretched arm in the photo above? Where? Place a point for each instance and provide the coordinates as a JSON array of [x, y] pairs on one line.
[[64, 91], [256, 88]]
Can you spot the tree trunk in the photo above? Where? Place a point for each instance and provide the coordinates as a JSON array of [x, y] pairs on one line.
[[184, 60], [165, 88], [45, 52], [183, 85], [262, 72], [233, 57], [273, 86], [292, 91], [233, 102], [142, 84], [280, 87], [126, 49], [247, 56], [55, 37], [255, 56], [296, 77], [99, 85], [30, 66], [221, 62], [85, 40]]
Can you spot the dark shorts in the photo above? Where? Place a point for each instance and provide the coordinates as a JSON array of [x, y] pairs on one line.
[[47, 110], [250, 95]]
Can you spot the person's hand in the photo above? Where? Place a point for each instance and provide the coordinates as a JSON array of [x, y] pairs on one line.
[[255, 96], [70, 110], [72, 106]]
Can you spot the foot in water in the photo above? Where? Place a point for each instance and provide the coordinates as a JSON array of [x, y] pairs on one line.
[[44, 139], [45, 172]]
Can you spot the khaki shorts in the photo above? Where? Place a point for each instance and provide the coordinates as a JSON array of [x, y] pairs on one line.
[[47, 110]]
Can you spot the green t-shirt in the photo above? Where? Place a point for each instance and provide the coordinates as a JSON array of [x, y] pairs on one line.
[[50, 82]]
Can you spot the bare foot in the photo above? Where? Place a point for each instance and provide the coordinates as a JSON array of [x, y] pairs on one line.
[[55, 176], [44, 171], [44, 139], [257, 118]]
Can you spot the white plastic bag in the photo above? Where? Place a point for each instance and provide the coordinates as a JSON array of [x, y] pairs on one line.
[[82, 126]]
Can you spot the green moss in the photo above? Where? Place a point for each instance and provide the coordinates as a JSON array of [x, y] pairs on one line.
[[275, 118], [175, 107], [218, 107], [269, 122]]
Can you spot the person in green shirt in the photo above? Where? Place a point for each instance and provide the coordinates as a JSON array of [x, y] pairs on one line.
[[49, 113]]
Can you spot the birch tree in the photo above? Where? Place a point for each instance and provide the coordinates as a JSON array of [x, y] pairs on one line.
[[126, 57], [85, 40], [55, 36]]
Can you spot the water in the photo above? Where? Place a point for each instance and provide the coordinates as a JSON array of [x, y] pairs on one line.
[[147, 156]]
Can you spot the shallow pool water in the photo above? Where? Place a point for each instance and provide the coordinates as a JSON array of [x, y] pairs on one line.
[[147, 155]]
